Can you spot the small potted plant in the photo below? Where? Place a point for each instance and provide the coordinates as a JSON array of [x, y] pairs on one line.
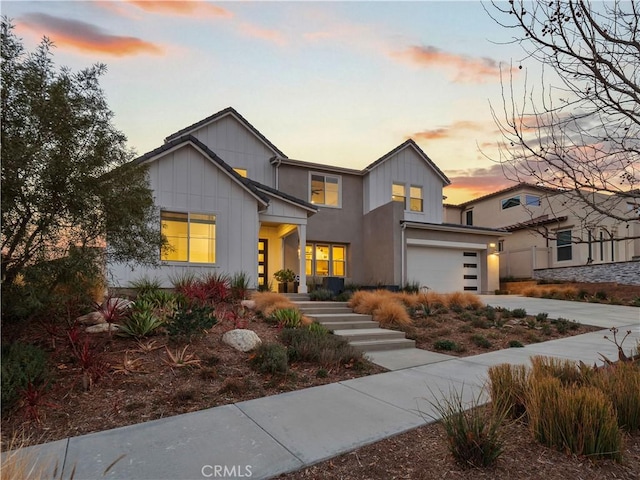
[[285, 278]]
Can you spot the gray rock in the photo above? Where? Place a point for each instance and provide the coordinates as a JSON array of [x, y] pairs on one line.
[[243, 340], [101, 328], [93, 318]]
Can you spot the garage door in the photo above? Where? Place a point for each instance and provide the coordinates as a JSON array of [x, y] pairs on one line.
[[444, 270]]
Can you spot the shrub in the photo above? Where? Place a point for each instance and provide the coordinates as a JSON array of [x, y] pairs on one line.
[[519, 313], [508, 387], [411, 287], [481, 341], [601, 295], [321, 295], [490, 313], [621, 384], [542, 317], [562, 325], [286, 317], [146, 285], [270, 358], [307, 345], [473, 433], [391, 313], [317, 328], [22, 364], [448, 345], [515, 344], [268, 302], [479, 323], [580, 420], [466, 328], [140, 323], [217, 286], [564, 370], [239, 285], [455, 300], [191, 322]]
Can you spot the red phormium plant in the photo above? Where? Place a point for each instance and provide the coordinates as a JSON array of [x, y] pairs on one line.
[[33, 399]]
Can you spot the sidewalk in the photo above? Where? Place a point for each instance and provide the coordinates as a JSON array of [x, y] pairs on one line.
[[267, 436]]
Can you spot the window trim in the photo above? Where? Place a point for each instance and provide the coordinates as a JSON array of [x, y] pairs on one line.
[[421, 198], [325, 175], [188, 214], [568, 245], [532, 200], [404, 194]]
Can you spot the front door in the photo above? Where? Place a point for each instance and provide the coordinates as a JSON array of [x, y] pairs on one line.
[[263, 270]]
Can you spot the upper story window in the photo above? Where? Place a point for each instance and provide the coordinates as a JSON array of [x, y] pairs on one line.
[[468, 217], [241, 171], [415, 199], [191, 237], [532, 200], [510, 202], [398, 194], [325, 190]]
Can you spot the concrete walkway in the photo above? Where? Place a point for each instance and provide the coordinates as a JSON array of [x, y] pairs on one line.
[[267, 436]]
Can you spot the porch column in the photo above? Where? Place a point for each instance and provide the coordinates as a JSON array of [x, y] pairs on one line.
[[302, 239]]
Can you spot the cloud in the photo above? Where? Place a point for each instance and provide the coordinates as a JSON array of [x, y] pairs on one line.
[[87, 37], [254, 31], [448, 131], [465, 69], [475, 182], [186, 8]]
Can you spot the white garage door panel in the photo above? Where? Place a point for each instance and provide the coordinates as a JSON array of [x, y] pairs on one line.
[[442, 270]]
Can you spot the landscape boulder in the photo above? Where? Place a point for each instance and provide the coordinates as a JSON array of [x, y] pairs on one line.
[[93, 318], [241, 339], [101, 328], [250, 304]]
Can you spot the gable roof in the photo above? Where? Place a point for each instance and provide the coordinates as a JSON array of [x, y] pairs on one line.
[[247, 184], [409, 144], [285, 196], [516, 187], [221, 114]]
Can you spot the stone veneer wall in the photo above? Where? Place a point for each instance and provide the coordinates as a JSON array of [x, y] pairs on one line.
[[626, 273]]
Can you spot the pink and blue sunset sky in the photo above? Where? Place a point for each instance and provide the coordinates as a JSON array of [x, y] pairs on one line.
[[340, 83]]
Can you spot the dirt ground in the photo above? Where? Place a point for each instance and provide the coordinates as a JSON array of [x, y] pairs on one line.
[[422, 454]]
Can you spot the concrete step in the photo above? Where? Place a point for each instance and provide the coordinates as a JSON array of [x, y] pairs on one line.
[[297, 297], [379, 345], [304, 304], [355, 324], [339, 317], [324, 310], [362, 334]]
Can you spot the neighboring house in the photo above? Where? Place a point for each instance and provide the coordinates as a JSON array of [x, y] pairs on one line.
[[231, 201], [551, 230]]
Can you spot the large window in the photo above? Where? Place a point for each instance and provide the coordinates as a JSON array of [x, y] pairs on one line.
[[563, 244], [398, 194], [415, 202], [325, 260], [325, 190], [191, 237]]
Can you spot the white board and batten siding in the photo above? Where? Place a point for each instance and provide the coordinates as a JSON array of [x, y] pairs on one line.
[[238, 147], [408, 168], [183, 180]]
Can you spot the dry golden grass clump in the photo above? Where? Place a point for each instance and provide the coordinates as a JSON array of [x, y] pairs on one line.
[[392, 312], [269, 302], [571, 407]]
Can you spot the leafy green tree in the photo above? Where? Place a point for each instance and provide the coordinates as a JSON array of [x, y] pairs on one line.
[[67, 182]]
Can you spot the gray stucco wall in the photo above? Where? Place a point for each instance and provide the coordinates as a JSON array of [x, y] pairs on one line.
[[626, 273], [382, 245], [332, 225]]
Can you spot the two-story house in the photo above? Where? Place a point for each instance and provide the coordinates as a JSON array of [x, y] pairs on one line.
[[231, 201], [551, 229]]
